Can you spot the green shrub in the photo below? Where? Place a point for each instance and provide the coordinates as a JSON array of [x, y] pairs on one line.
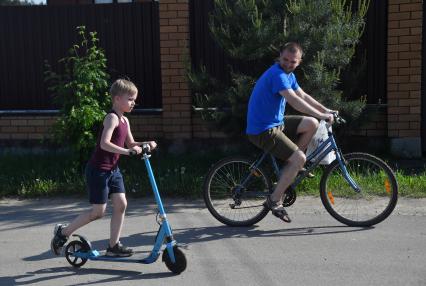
[[82, 94]]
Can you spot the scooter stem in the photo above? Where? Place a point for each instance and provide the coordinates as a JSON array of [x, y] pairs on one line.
[[154, 186]]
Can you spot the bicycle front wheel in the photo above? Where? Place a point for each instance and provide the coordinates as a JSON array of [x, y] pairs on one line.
[[372, 203], [234, 192]]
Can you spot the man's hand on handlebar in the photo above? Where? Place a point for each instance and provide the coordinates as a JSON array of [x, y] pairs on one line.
[[328, 117]]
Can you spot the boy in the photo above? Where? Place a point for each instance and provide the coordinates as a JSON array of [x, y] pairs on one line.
[[103, 176]]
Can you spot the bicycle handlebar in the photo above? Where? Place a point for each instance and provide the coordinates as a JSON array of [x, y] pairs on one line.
[[146, 150], [338, 119]]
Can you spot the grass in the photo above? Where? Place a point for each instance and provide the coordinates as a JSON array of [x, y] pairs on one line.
[[36, 175], [55, 174]]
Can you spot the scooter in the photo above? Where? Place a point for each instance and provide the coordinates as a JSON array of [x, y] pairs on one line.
[[77, 252]]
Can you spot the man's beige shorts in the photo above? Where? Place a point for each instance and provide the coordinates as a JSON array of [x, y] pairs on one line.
[[279, 140]]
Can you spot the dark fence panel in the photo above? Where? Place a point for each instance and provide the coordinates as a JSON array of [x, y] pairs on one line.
[[129, 34], [423, 108], [205, 51], [374, 41]]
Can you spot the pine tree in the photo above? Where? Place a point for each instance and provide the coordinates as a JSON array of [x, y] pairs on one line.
[[252, 31]]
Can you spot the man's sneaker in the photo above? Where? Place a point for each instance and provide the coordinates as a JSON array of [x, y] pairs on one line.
[[58, 239], [119, 250]]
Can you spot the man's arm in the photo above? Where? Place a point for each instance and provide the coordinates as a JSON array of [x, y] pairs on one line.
[[303, 106], [309, 99]]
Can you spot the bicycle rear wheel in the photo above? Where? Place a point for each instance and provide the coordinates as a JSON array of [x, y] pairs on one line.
[[374, 202], [234, 192]]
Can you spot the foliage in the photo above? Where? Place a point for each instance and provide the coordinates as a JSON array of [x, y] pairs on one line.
[[16, 2], [82, 94], [252, 31]]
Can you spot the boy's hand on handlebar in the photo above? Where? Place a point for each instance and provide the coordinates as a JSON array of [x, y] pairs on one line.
[[135, 150], [152, 145]]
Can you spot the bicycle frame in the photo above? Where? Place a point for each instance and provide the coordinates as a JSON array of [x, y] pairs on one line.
[[313, 160]]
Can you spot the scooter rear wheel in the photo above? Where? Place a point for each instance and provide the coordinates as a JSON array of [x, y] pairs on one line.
[[180, 265], [73, 247]]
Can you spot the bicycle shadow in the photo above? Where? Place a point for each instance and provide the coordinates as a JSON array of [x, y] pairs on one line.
[[50, 274], [186, 236]]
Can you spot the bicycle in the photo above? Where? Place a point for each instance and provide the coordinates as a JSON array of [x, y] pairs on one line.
[[357, 189]]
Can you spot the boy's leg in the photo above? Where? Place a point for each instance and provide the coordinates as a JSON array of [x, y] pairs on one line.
[[96, 181], [97, 211], [119, 204], [62, 232]]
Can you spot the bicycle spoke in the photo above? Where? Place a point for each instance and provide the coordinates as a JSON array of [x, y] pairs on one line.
[[376, 198], [231, 201]]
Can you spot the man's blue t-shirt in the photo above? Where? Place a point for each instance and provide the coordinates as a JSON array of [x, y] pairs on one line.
[[266, 106]]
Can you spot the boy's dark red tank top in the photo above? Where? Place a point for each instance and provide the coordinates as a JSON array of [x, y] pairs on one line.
[[105, 160]]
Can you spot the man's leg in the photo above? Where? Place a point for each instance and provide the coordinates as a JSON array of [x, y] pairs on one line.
[[303, 128], [305, 131], [294, 164]]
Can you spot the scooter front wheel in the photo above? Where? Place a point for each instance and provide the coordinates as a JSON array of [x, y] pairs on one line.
[[180, 265], [72, 248]]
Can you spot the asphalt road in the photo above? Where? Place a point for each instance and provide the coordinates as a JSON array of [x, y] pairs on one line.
[[313, 250]]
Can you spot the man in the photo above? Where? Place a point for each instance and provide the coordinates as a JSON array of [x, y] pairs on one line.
[[270, 130]]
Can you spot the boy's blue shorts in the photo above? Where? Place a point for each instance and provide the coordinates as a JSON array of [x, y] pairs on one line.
[[101, 184]]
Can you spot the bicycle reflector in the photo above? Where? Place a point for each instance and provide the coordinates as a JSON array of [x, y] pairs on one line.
[[331, 198], [255, 173], [387, 186]]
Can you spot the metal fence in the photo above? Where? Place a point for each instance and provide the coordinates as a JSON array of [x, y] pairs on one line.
[[30, 35]]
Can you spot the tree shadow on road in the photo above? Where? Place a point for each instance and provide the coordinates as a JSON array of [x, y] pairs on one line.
[[50, 274]]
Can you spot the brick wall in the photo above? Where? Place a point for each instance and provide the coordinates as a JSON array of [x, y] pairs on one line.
[[404, 73], [174, 44], [17, 128]]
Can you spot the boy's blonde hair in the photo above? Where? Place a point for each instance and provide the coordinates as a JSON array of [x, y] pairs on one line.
[[122, 86]]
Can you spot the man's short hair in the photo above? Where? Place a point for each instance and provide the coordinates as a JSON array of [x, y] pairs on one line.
[[292, 47], [122, 86]]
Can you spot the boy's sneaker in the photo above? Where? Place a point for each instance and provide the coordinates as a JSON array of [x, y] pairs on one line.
[[58, 239], [119, 250]]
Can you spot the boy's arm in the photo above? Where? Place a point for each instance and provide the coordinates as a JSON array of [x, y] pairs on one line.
[[130, 141], [110, 122]]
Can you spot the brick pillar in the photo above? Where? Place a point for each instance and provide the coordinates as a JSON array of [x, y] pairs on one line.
[[404, 76], [174, 45]]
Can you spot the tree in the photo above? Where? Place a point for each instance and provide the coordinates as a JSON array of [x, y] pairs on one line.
[[253, 30], [16, 2]]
